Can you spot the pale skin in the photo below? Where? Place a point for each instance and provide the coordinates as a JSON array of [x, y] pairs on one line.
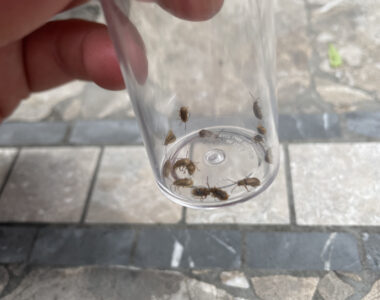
[[37, 55]]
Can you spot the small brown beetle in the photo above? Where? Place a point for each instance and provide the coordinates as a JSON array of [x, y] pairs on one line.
[[256, 108], [191, 167], [219, 193], [184, 114], [183, 182], [201, 192], [205, 133], [269, 156], [261, 129], [167, 168], [258, 138], [253, 181], [181, 163], [170, 138], [185, 163]]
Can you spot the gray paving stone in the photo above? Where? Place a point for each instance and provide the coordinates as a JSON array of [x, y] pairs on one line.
[[126, 192], [106, 132], [15, 243], [336, 184], [165, 248], [309, 126], [285, 287], [372, 248], [83, 246], [332, 288], [364, 123], [48, 185], [21, 134], [271, 207], [6, 158], [302, 251], [114, 283]]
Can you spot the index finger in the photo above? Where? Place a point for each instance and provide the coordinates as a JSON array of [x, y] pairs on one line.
[[193, 10], [20, 17]]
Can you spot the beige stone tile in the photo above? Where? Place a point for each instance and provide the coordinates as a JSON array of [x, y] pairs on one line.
[[286, 287], [332, 288], [48, 185], [6, 158], [336, 184], [271, 207], [126, 192]]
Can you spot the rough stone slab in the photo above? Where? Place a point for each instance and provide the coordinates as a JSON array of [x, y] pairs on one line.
[[113, 283], [372, 248], [285, 287], [83, 246], [302, 251], [48, 185], [15, 243], [343, 97], [106, 132], [374, 294], [24, 134], [364, 123], [336, 184], [126, 192], [4, 278], [6, 159], [195, 249], [271, 207], [309, 126], [234, 279], [332, 288]]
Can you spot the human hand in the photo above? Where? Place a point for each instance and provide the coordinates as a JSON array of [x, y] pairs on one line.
[[35, 55]]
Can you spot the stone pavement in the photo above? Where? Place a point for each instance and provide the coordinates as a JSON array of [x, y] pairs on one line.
[[77, 223], [79, 218]]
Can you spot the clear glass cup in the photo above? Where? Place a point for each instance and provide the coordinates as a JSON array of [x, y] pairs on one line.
[[203, 91]]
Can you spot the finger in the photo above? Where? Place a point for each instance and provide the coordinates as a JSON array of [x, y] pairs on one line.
[[20, 17], [194, 10], [63, 50], [13, 85]]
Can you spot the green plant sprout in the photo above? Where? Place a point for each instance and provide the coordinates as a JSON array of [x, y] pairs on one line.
[[335, 59]]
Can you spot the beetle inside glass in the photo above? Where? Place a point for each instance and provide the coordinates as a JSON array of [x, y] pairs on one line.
[[203, 91]]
